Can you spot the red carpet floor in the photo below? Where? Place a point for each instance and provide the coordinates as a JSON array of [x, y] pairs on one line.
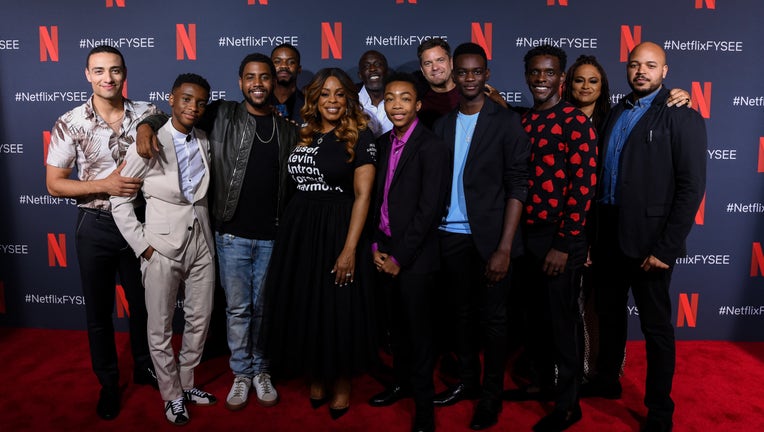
[[47, 385]]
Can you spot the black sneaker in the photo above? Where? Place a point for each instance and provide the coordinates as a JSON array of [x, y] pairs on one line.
[[199, 397], [176, 412]]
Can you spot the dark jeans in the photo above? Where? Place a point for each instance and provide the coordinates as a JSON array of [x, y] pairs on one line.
[[478, 312], [102, 253], [554, 315], [614, 273]]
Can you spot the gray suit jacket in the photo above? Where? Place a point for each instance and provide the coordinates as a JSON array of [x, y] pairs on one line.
[[169, 215]]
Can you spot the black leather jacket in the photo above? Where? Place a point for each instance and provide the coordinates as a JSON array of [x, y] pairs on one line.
[[231, 131]]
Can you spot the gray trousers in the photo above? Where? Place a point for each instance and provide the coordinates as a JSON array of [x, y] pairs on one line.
[[162, 278]]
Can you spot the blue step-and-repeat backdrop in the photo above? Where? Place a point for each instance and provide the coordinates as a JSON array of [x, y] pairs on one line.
[[714, 51]]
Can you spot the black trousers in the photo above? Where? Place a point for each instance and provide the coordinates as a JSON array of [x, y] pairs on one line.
[[478, 313], [102, 253], [554, 314], [410, 297], [614, 274]]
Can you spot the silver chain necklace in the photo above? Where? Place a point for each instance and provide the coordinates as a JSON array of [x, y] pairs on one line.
[[468, 132], [273, 131], [321, 138]]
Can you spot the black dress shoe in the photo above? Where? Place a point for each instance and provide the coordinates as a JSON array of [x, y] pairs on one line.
[[558, 420], [146, 376], [317, 403], [336, 413], [601, 389], [423, 424], [486, 414], [389, 396], [527, 394], [108, 403], [455, 394]]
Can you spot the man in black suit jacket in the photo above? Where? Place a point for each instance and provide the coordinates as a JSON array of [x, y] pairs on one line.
[[411, 186], [652, 176], [489, 184]]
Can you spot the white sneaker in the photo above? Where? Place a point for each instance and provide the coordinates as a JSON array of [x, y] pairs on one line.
[[266, 393], [176, 412], [237, 397]]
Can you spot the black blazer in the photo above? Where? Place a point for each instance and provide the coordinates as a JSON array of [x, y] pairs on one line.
[[415, 201], [496, 170], [661, 179]]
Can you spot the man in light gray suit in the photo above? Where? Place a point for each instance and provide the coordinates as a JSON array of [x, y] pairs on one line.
[[175, 243]]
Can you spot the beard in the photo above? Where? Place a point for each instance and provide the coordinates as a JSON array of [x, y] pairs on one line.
[[643, 90], [286, 82], [254, 104]]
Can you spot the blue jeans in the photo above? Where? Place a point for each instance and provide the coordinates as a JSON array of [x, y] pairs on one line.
[[243, 267]]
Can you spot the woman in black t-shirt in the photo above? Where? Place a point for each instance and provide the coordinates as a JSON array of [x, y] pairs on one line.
[[319, 301]]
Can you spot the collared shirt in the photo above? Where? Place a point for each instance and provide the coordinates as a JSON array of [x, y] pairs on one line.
[[620, 133], [396, 149], [456, 220], [190, 164], [83, 139], [378, 123]]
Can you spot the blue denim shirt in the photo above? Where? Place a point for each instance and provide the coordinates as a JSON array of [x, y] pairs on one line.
[[618, 136]]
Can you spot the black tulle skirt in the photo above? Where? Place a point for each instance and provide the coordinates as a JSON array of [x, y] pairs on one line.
[[314, 328]]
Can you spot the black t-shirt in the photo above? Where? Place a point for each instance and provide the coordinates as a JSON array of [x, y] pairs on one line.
[[255, 215], [324, 167]]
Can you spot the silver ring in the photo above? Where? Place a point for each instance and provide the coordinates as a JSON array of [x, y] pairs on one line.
[[348, 274]]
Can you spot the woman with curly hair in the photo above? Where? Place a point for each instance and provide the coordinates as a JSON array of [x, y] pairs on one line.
[[318, 299], [587, 88]]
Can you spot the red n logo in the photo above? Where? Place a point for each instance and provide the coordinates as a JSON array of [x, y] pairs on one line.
[[262, 2], [56, 250], [185, 42], [700, 216], [48, 43], [123, 309], [761, 155], [46, 144], [629, 40], [701, 99], [2, 297], [111, 3], [710, 4], [560, 2], [757, 260], [483, 38], [688, 310], [404, 1], [331, 39]]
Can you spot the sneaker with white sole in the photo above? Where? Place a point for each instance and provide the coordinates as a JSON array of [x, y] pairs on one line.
[[176, 412], [199, 397], [266, 393], [237, 397]]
